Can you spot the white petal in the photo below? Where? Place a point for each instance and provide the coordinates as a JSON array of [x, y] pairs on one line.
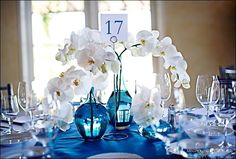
[[155, 33], [173, 77], [100, 81], [166, 41], [136, 51], [143, 34], [177, 84]]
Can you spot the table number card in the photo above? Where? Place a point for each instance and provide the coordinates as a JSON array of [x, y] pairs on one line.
[[114, 27]]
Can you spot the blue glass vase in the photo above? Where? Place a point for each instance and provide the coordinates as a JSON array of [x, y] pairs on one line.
[[119, 104], [91, 118]]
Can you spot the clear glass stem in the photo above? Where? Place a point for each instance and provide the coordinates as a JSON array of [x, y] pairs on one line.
[[207, 118], [225, 144], [163, 104], [31, 117], [10, 122]]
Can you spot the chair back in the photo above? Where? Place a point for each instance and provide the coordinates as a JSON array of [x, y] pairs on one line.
[[228, 83], [227, 72], [7, 91]]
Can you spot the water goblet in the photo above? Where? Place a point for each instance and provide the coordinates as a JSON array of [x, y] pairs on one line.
[[224, 115], [26, 98], [207, 92], [163, 81], [10, 110], [44, 130]]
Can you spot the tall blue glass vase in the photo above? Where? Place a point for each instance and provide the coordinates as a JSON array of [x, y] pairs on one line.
[[91, 118], [119, 104]]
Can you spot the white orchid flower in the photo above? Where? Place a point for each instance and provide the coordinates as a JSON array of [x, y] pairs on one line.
[[111, 61], [128, 43], [61, 111], [74, 43], [80, 80], [146, 40], [178, 67], [156, 34], [62, 55], [137, 51], [91, 58], [164, 48], [63, 90], [65, 115], [146, 106], [100, 81], [88, 36], [114, 66], [175, 62]]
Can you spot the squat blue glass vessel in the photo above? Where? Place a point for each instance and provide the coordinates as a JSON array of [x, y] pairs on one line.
[[91, 118]]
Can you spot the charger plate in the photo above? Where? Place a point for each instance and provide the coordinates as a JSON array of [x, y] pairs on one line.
[[16, 138], [30, 152], [214, 131], [116, 155]]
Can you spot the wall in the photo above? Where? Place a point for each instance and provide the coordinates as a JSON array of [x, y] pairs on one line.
[[205, 34], [10, 63], [203, 31]]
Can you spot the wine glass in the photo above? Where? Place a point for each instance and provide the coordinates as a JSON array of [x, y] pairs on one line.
[[44, 129], [163, 80], [26, 98], [10, 109], [224, 115], [207, 92]]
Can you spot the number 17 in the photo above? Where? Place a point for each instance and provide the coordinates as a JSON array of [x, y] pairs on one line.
[[109, 26]]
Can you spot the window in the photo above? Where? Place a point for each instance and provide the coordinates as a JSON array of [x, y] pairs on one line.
[[53, 21]]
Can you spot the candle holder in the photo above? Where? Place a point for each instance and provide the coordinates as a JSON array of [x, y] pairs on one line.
[[91, 118]]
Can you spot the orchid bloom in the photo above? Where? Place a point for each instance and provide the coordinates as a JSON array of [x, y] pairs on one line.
[[62, 110], [80, 81], [147, 42], [178, 67], [88, 36], [146, 106], [62, 55], [63, 90], [90, 58]]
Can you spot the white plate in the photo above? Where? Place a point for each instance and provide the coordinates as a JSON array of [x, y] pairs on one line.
[[10, 139], [192, 148], [116, 155], [36, 151], [214, 131]]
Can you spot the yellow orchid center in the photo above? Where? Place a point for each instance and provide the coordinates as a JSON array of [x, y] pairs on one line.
[[147, 105], [76, 82], [150, 119], [62, 74], [58, 93], [90, 62], [142, 41], [163, 53], [103, 68], [173, 68], [71, 49]]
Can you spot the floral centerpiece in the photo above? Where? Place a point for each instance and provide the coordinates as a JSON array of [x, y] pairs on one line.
[[96, 58]]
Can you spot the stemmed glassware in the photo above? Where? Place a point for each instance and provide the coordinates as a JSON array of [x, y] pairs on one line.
[[43, 129], [224, 115], [163, 80], [26, 98], [207, 91], [10, 109]]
